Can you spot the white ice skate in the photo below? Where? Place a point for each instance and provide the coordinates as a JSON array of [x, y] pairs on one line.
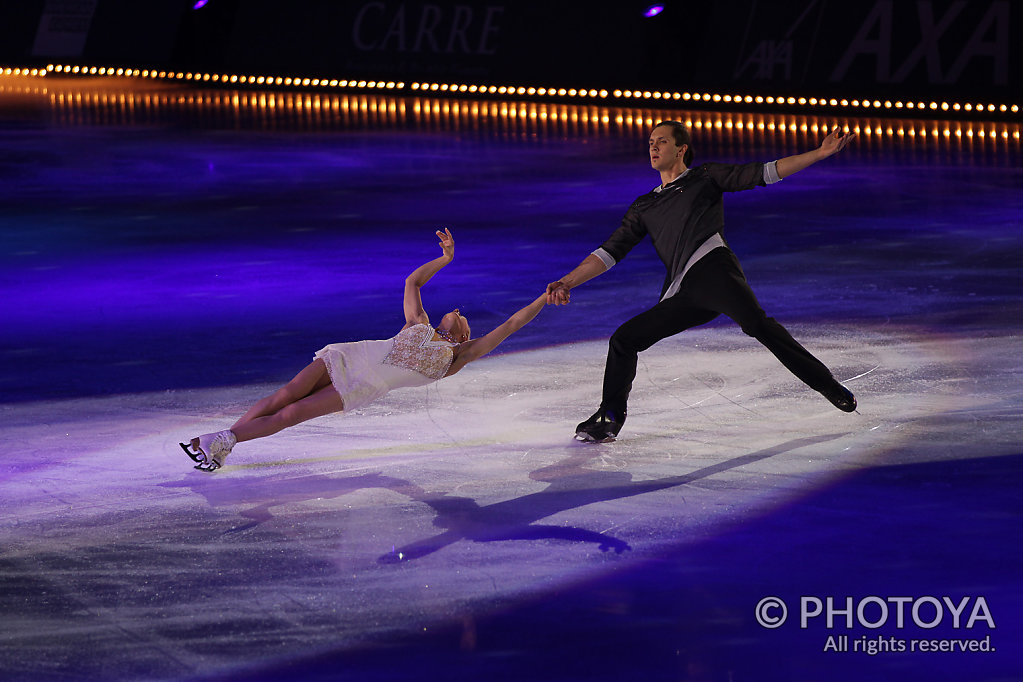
[[210, 449]]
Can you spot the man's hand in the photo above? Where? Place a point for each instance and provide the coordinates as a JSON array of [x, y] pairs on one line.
[[834, 143], [557, 293]]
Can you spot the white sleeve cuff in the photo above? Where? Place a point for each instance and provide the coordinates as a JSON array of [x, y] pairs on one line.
[[771, 173], [604, 256]]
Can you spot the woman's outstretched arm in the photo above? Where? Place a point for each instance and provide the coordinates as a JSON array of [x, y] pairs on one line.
[[477, 348], [413, 301]]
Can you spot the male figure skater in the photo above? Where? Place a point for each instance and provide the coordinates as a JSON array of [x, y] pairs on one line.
[[684, 218]]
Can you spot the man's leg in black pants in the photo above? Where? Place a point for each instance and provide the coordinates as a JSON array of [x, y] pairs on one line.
[[724, 288], [663, 320], [632, 338]]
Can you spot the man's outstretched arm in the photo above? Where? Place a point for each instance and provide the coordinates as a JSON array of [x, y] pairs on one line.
[[832, 144], [557, 292]]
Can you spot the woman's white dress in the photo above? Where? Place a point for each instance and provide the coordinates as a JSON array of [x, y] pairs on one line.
[[363, 371]]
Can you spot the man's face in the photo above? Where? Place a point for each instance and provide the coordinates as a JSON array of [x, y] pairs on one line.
[[664, 153]]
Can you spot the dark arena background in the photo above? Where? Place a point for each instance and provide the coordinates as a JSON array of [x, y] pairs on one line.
[[196, 196]]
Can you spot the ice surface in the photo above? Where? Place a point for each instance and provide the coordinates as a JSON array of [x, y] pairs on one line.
[[163, 269]]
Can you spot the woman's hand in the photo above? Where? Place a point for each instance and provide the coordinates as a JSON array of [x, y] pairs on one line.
[[447, 242]]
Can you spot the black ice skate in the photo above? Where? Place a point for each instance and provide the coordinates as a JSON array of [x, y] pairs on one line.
[[602, 427], [841, 397]]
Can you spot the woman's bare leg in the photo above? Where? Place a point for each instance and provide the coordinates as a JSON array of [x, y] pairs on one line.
[[324, 401], [310, 394], [311, 379]]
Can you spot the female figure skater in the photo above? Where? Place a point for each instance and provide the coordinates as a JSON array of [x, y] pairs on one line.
[[346, 376]]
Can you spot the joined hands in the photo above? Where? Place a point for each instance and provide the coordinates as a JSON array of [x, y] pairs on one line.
[[558, 293]]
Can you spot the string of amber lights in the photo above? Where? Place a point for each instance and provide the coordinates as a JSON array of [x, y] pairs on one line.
[[79, 103], [846, 105]]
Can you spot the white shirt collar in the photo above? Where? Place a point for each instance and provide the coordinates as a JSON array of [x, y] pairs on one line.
[[681, 175]]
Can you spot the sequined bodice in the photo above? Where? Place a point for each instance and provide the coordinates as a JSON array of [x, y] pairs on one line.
[[415, 349]]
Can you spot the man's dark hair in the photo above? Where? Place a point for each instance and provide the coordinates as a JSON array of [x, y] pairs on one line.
[[681, 135]]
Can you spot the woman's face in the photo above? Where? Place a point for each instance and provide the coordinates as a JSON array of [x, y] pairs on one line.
[[458, 325]]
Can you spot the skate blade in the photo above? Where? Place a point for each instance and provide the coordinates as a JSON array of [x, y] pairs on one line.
[[196, 457], [590, 438]]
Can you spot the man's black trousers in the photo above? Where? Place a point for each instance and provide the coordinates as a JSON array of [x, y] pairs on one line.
[[714, 286]]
